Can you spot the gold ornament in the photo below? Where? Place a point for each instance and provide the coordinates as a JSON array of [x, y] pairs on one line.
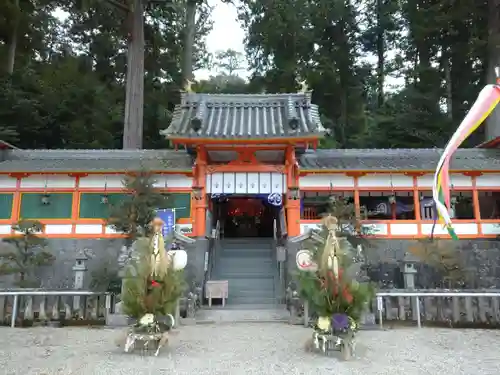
[[188, 86], [159, 261], [331, 251], [304, 87]]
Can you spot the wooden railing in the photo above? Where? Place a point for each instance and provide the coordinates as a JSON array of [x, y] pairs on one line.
[[310, 213]]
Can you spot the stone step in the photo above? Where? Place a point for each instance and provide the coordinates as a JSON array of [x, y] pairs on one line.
[[244, 247], [229, 263], [255, 283], [237, 300], [243, 313], [250, 306], [259, 240], [264, 254], [251, 293], [242, 274]]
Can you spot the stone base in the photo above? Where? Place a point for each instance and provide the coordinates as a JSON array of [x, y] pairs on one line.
[[188, 321], [296, 320], [367, 321], [328, 344], [146, 343], [117, 320]]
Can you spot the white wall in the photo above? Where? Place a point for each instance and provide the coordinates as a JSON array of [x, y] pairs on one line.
[[97, 181]]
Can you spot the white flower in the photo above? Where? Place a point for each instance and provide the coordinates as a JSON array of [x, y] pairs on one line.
[[353, 325], [147, 320], [324, 323]]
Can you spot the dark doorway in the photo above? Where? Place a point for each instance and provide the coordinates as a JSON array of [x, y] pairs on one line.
[[246, 216]]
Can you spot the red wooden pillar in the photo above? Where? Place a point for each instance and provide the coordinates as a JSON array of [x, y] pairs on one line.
[[293, 198], [199, 196]]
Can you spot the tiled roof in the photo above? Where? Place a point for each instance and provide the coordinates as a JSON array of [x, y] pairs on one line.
[[235, 116], [341, 160], [398, 159], [94, 160]]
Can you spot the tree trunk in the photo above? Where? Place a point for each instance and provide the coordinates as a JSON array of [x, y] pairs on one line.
[[380, 55], [134, 101], [448, 83], [493, 121], [11, 52], [189, 35]]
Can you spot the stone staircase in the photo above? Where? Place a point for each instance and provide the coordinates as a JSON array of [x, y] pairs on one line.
[[243, 314], [248, 265]]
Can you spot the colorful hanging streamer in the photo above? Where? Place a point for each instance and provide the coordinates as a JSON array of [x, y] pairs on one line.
[[486, 102]]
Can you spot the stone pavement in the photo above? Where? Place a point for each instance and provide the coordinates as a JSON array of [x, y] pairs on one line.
[[249, 348]]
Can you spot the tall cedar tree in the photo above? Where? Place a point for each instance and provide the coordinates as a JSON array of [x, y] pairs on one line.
[[133, 215], [23, 254]]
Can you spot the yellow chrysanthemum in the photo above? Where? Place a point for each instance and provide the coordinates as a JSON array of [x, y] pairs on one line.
[[147, 320], [324, 323], [353, 325]]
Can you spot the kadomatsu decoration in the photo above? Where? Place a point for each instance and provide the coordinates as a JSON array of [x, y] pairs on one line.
[[153, 285], [333, 292]]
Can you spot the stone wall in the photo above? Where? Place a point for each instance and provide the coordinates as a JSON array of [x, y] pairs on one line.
[[385, 262], [480, 257], [102, 254]]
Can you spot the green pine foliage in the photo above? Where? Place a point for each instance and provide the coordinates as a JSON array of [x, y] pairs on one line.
[[329, 295], [326, 293], [23, 254], [349, 225], [162, 299], [133, 215]]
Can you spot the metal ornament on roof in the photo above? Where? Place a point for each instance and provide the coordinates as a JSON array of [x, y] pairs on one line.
[[303, 86], [188, 86], [275, 199]]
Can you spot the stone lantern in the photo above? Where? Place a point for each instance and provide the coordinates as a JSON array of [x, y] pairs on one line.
[[79, 270], [409, 271]]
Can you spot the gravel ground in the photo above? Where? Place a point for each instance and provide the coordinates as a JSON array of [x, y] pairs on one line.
[[249, 349]]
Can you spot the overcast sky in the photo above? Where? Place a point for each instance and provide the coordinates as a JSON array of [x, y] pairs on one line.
[[226, 32]]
